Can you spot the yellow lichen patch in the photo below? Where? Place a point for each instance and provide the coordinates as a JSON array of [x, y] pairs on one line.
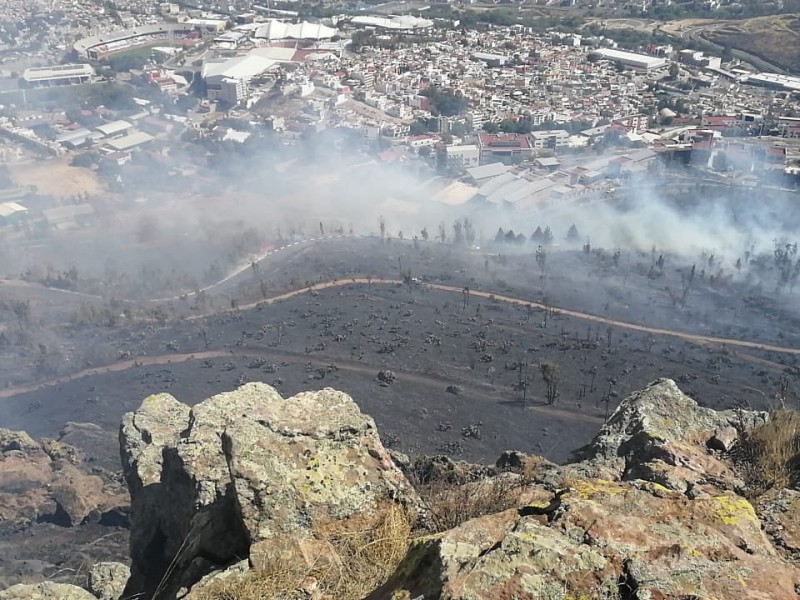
[[589, 489], [730, 510], [693, 552], [654, 488]]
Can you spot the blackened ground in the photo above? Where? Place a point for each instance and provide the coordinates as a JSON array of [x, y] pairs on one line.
[[455, 356]]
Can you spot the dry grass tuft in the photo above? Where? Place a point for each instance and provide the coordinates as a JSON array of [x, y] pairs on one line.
[[767, 455], [450, 503], [363, 559]]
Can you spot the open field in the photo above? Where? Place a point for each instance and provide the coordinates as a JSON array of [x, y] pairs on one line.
[[775, 39], [55, 177]]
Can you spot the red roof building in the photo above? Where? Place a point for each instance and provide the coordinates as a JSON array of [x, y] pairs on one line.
[[504, 147]]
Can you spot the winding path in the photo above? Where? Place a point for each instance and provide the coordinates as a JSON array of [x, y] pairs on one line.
[[175, 358], [689, 337]]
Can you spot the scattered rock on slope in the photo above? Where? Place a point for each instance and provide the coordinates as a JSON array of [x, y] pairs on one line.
[[247, 473], [47, 480]]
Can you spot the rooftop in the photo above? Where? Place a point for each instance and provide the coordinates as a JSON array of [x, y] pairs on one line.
[[137, 138], [487, 171], [278, 30], [57, 72], [500, 141], [113, 127]]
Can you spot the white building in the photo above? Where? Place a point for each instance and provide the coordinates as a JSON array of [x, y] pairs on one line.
[[274, 29], [631, 59], [228, 80], [463, 157], [70, 74], [557, 138], [475, 119], [229, 90], [399, 23]]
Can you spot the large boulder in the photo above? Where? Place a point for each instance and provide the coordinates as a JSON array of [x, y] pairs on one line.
[[247, 473], [660, 434], [48, 480], [45, 591]]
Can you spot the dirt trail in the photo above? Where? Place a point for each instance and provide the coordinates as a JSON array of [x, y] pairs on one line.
[[691, 337], [119, 366], [165, 359]]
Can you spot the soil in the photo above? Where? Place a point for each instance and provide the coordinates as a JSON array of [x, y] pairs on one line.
[[55, 177], [433, 335], [774, 38], [464, 330]]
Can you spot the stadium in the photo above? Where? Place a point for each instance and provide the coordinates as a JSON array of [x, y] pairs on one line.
[[102, 46]]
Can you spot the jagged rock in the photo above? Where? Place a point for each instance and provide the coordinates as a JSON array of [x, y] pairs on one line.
[[243, 470], [98, 446], [199, 590], [107, 580], [17, 440], [427, 469], [597, 535], [660, 434], [45, 591], [724, 439], [47, 480]]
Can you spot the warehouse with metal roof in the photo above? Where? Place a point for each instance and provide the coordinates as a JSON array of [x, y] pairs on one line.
[[631, 59], [70, 74]]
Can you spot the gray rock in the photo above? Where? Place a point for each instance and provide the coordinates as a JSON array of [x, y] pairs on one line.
[[244, 469], [107, 580], [45, 591], [386, 376], [660, 434], [724, 439]]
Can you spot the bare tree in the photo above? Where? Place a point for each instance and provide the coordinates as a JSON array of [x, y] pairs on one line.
[[469, 231], [458, 236], [523, 381], [551, 377]]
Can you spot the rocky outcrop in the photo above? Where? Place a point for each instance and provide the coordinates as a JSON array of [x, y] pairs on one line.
[[248, 473], [48, 480], [660, 434], [648, 510], [46, 591], [637, 538], [651, 509], [107, 580]]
